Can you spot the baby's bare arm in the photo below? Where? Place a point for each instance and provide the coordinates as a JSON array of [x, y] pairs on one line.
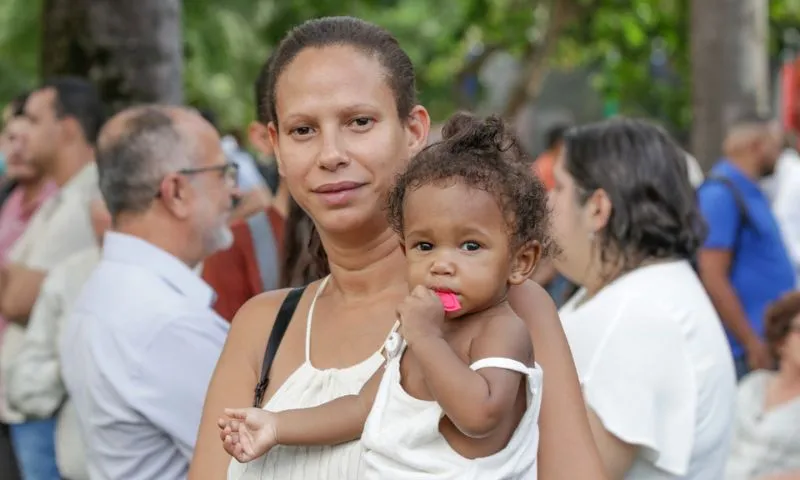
[[338, 421], [476, 402]]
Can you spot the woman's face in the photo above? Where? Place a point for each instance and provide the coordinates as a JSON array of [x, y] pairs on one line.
[[339, 142], [574, 225]]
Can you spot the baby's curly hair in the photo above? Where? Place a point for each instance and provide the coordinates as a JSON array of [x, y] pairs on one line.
[[486, 155]]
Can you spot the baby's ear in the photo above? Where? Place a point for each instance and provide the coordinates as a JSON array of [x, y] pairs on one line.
[[524, 262]]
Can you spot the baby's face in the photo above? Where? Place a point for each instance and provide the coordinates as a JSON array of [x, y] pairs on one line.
[[457, 240]]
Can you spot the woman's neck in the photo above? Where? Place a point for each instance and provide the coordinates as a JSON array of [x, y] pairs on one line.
[[788, 376], [363, 270]]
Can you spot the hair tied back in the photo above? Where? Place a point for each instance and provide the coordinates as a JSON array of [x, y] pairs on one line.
[[465, 132]]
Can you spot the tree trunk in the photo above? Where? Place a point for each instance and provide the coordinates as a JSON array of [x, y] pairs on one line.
[[747, 58], [729, 69], [131, 50]]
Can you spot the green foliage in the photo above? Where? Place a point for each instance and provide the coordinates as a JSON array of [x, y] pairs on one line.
[[19, 46], [226, 41]]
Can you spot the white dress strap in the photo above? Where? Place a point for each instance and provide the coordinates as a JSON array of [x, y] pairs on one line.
[[501, 362], [310, 316], [393, 344]]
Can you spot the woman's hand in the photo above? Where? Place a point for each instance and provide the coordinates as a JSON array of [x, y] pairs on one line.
[[248, 433]]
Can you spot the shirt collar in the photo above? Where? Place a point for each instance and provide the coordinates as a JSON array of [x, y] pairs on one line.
[[84, 180], [28, 209], [730, 170], [123, 248]]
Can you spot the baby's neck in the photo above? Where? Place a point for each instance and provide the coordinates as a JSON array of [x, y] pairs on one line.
[[502, 307]]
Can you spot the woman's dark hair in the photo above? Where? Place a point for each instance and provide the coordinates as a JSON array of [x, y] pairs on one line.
[[643, 171], [778, 320], [17, 105], [365, 37], [304, 260], [485, 155]]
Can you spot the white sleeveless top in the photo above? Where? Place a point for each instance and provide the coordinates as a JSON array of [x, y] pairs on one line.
[[309, 387], [402, 439]]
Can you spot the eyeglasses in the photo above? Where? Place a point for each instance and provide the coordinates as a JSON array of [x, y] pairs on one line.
[[229, 171]]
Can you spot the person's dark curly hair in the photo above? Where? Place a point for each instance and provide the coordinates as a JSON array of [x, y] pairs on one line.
[[779, 321], [485, 155]]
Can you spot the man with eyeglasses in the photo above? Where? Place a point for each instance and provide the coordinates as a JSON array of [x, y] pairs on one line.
[[142, 341]]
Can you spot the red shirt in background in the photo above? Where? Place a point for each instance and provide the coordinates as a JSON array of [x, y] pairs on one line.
[[233, 273], [543, 168]]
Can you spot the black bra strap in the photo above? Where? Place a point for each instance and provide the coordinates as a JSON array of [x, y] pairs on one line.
[[285, 314]]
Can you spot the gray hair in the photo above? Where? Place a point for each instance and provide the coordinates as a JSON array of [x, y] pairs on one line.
[[131, 165]]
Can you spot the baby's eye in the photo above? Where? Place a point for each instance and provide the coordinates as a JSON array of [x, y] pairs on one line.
[[424, 246], [471, 246]]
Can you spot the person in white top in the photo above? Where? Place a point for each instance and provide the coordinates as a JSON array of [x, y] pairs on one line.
[[655, 367], [141, 341], [786, 202], [473, 222], [344, 119], [63, 118], [35, 386], [766, 440]]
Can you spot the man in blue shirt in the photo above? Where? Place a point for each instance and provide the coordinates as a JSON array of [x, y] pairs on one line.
[[744, 263]]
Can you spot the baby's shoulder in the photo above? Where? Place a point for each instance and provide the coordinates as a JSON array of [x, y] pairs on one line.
[[503, 334]]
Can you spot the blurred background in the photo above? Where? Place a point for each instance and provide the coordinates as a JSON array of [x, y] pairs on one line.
[[539, 61]]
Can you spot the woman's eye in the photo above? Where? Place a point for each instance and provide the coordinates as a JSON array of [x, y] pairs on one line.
[[362, 122], [471, 246], [300, 131], [424, 246]]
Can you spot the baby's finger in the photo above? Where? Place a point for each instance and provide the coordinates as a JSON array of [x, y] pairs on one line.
[[237, 413]]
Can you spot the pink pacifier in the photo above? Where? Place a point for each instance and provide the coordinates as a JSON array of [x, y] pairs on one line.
[[450, 301]]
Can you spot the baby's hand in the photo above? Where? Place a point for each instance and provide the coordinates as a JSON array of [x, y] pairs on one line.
[[247, 433], [421, 315]]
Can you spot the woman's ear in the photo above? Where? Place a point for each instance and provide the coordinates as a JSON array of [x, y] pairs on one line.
[[418, 128], [524, 262], [598, 210], [272, 130]]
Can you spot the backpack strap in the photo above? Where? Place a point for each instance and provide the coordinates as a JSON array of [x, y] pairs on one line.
[[741, 206], [285, 314], [266, 249]]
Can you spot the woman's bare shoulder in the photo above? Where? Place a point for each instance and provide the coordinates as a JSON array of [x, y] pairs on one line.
[[252, 324]]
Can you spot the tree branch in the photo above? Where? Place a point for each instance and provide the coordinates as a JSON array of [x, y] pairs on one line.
[[536, 54]]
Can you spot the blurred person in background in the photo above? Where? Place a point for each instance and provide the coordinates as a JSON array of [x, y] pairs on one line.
[[785, 191], [25, 187], [744, 263], [545, 273], [62, 118], [140, 344], [254, 195], [35, 385], [252, 264], [766, 442], [651, 354], [544, 163]]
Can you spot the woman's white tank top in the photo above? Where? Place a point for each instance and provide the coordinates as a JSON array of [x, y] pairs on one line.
[[309, 387]]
